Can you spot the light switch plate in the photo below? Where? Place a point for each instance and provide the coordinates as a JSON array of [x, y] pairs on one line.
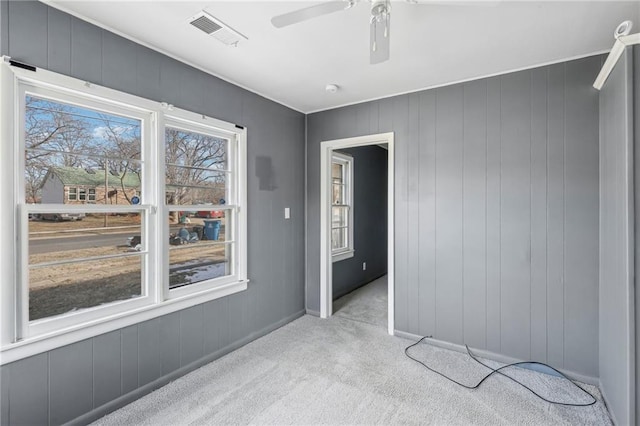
[[287, 213]]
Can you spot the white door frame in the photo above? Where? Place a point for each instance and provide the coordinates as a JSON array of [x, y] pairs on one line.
[[326, 263]]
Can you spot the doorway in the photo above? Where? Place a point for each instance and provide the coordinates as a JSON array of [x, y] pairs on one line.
[[327, 149]]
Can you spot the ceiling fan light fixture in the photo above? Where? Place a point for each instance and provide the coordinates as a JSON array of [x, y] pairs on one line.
[[380, 22]]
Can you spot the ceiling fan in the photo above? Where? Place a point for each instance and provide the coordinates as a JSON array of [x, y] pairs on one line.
[[379, 22]]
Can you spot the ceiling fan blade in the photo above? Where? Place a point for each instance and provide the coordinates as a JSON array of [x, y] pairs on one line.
[[481, 3], [379, 43], [308, 13]]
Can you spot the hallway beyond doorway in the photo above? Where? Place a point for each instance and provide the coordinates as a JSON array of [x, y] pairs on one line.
[[366, 304]]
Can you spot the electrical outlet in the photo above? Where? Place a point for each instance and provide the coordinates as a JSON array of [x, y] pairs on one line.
[[364, 266]]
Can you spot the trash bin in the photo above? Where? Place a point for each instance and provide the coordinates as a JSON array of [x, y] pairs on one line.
[[211, 229], [199, 230]]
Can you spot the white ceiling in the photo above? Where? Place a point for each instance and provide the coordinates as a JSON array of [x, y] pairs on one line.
[[431, 44]]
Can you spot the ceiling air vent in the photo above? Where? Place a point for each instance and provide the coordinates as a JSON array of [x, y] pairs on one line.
[[216, 29]]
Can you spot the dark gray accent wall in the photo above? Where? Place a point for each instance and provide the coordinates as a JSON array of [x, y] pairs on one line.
[[496, 215], [58, 386], [616, 242], [370, 221]]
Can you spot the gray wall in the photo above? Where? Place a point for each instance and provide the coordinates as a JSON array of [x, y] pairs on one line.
[[496, 192], [65, 383], [636, 152], [616, 239], [370, 221]]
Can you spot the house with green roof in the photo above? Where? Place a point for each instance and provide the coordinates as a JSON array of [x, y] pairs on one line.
[[76, 185]]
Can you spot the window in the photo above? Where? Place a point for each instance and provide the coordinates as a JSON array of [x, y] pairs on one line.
[[104, 148], [341, 206], [201, 203]]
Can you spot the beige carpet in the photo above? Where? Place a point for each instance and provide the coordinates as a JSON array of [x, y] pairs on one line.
[[341, 371]]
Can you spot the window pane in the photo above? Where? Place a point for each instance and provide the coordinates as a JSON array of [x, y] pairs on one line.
[[336, 172], [68, 145], [340, 216], [65, 271], [338, 194], [196, 168], [199, 246], [60, 289], [339, 238], [56, 236], [188, 185]]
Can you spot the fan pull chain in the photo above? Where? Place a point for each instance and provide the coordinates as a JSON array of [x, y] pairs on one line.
[[375, 34]]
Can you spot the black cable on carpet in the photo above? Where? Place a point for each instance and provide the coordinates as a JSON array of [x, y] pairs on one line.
[[499, 371]]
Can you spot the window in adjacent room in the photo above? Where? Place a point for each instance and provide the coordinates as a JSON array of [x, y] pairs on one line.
[[341, 206]]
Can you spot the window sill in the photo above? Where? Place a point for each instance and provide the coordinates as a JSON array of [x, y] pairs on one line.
[[343, 255], [46, 342]]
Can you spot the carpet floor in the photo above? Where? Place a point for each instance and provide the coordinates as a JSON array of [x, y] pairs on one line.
[[341, 371], [366, 304]]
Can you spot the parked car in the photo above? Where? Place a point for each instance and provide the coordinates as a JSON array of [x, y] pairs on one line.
[[210, 214], [59, 217]]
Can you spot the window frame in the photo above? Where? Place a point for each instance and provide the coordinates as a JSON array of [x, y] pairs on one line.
[[347, 163], [236, 158], [20, 338], [75, 193]]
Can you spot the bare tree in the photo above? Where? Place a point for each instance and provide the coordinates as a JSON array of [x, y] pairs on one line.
[[53, 137], [195, 166]]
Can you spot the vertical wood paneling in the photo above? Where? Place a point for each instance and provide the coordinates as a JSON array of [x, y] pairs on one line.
[[28, 37], [148, 73], [555, 215], [413, 215], [119, 58], [493, 221], [400, 123], [616, 292], [581, 258], [474, 213], [129, 363], [170, 342], [449, 154], [59, 41], [4, 392], [149, 363], [636, 183], [4, 27], [29, 391], [191, 335], [71, 372], [107, 364], [86, 51], [515, 214], [539, 214], [427, 213], [492, 194]]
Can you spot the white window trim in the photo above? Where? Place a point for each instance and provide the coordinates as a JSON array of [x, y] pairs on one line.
[[348, 164], [78, 326]]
